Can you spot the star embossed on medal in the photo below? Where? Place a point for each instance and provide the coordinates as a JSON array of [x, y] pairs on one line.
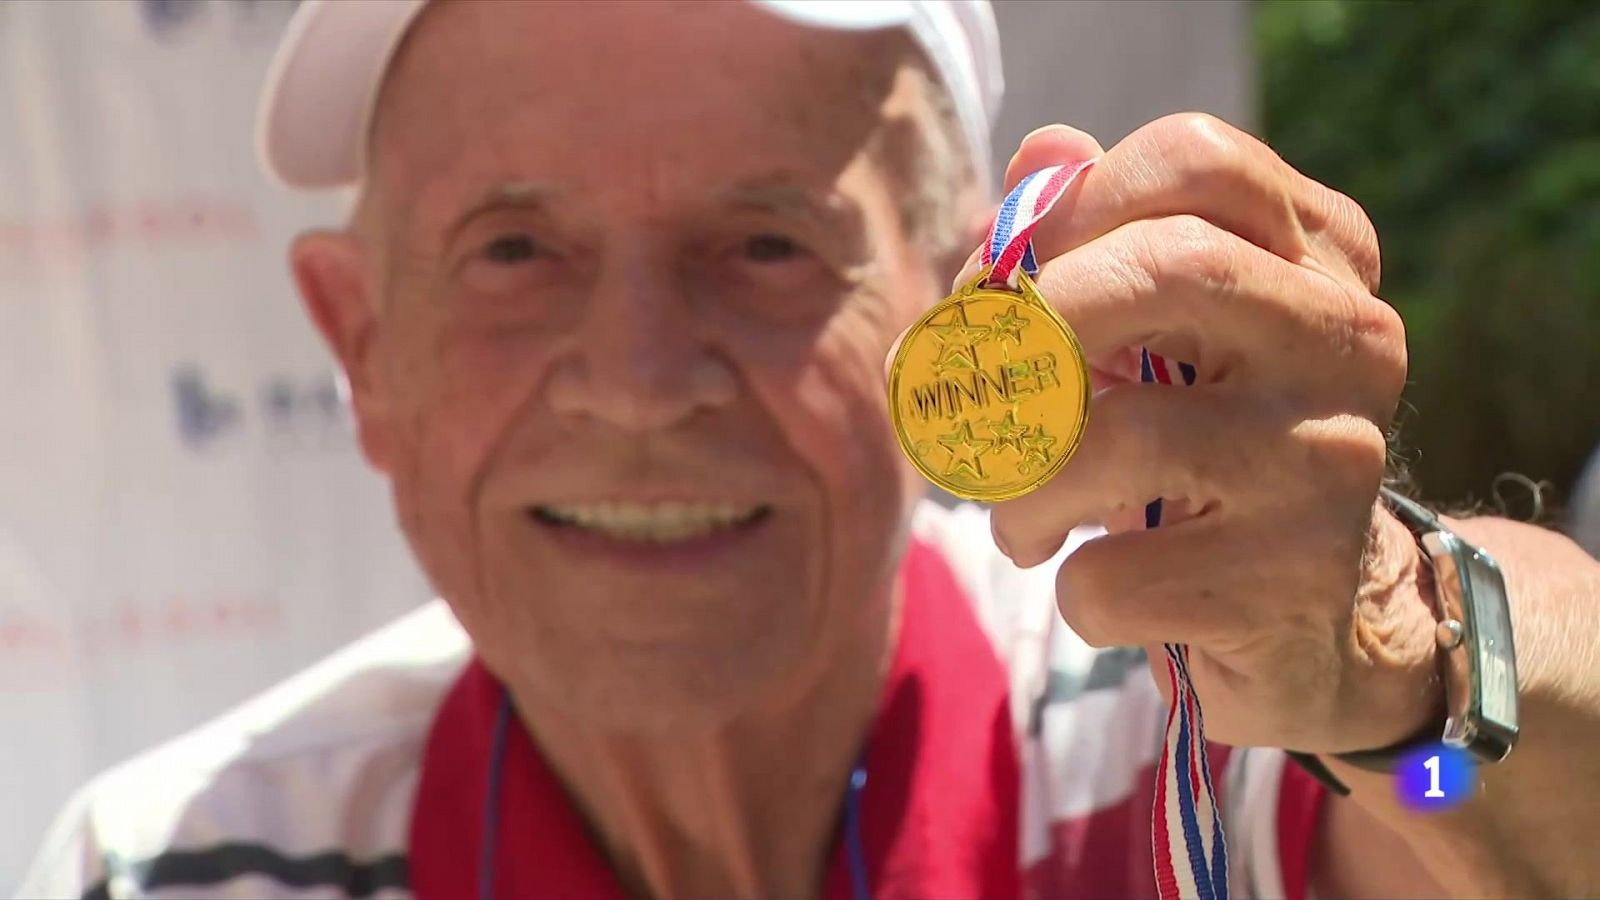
[[1036, 452], [1008, 326], [1009, 433], [964, 450], [960, 339]]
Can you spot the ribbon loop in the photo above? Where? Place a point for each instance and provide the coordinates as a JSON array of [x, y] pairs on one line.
[[1010, 244]]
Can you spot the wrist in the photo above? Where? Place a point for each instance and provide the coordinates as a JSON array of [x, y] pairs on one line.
[[1395, 690], [1396, 687], [1526, 830]]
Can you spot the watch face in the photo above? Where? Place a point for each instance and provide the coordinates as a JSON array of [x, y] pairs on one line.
[[1496, 662], [1481, 674]]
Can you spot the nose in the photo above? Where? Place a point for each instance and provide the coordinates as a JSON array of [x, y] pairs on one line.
[[641, 358]]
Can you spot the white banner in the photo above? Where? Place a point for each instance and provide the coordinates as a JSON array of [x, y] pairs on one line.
[[183, 516]]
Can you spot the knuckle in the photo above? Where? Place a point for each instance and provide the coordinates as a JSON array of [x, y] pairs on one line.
[[1377, 318], [1191, 131], [1203, 152], [1391, 359], [1357, 236], [1186, 251], [1347, 453], [1377, 335]]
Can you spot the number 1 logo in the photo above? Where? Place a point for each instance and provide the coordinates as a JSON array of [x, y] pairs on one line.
[[1432, 765], [1435, 778]]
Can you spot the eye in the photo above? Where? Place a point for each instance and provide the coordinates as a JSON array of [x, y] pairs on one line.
[[770, 248], [510, 249]]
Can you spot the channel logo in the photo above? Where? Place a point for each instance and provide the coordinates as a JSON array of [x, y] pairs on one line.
[[1435, 778]]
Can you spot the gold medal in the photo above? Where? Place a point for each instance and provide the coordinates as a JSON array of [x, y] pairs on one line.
[[989, 391]]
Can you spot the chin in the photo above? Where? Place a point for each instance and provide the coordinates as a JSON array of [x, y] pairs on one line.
[[628, 634], [667, 687]]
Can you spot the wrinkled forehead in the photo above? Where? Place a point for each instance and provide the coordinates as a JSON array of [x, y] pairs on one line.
[[665, 94]]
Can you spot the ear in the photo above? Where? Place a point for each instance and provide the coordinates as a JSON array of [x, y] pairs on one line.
[[330, 270]]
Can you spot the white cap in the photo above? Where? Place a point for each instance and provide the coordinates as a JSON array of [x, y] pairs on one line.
[[323, 82]]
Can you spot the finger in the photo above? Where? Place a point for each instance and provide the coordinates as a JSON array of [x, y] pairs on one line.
[[1215, 452], [1206, 445], [1151, 587], [1185, 585], [969, 269], [1218, 454], [1236, 311], [1052, 145], [888, 359], [1338, 222], [1198, 164]]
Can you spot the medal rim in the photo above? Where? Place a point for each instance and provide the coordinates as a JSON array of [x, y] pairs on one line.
[[977, 289]]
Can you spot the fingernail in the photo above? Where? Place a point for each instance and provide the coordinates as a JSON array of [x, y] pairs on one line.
[[1045, 129], [967, 271]]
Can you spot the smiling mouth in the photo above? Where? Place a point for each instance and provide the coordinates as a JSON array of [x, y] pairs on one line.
[[651, 523]]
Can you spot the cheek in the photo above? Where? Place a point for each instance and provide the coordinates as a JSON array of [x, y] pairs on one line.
[[454, 397], [826, 391], [462, 388]]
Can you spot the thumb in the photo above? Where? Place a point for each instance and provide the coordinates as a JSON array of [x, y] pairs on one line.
[[1052, 145]]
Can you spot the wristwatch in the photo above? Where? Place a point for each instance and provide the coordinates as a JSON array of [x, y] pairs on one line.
[[1477, 656]]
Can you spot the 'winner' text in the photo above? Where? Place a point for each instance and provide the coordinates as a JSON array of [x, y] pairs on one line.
[[948, 396]]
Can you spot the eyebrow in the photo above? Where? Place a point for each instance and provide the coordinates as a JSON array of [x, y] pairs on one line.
[[783, 195], [533, 195], [778, 194]]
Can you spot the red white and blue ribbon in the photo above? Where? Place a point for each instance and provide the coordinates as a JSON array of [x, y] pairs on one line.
[[1191, 858], [1010, 245]]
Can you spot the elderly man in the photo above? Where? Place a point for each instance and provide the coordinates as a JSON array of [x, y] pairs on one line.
[[614, 305]]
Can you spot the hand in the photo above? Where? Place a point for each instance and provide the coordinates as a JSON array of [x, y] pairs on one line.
[[1295, 591]]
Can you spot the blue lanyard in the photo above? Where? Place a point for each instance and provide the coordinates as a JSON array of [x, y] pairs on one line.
[[855, 852]]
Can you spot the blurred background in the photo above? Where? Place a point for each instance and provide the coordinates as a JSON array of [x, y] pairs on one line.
[[1470, 132], [183, 516]]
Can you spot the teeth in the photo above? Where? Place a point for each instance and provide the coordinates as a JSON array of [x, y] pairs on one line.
[[661, 522]]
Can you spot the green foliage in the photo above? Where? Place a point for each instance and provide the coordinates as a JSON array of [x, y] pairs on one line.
[[1470, 132]]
